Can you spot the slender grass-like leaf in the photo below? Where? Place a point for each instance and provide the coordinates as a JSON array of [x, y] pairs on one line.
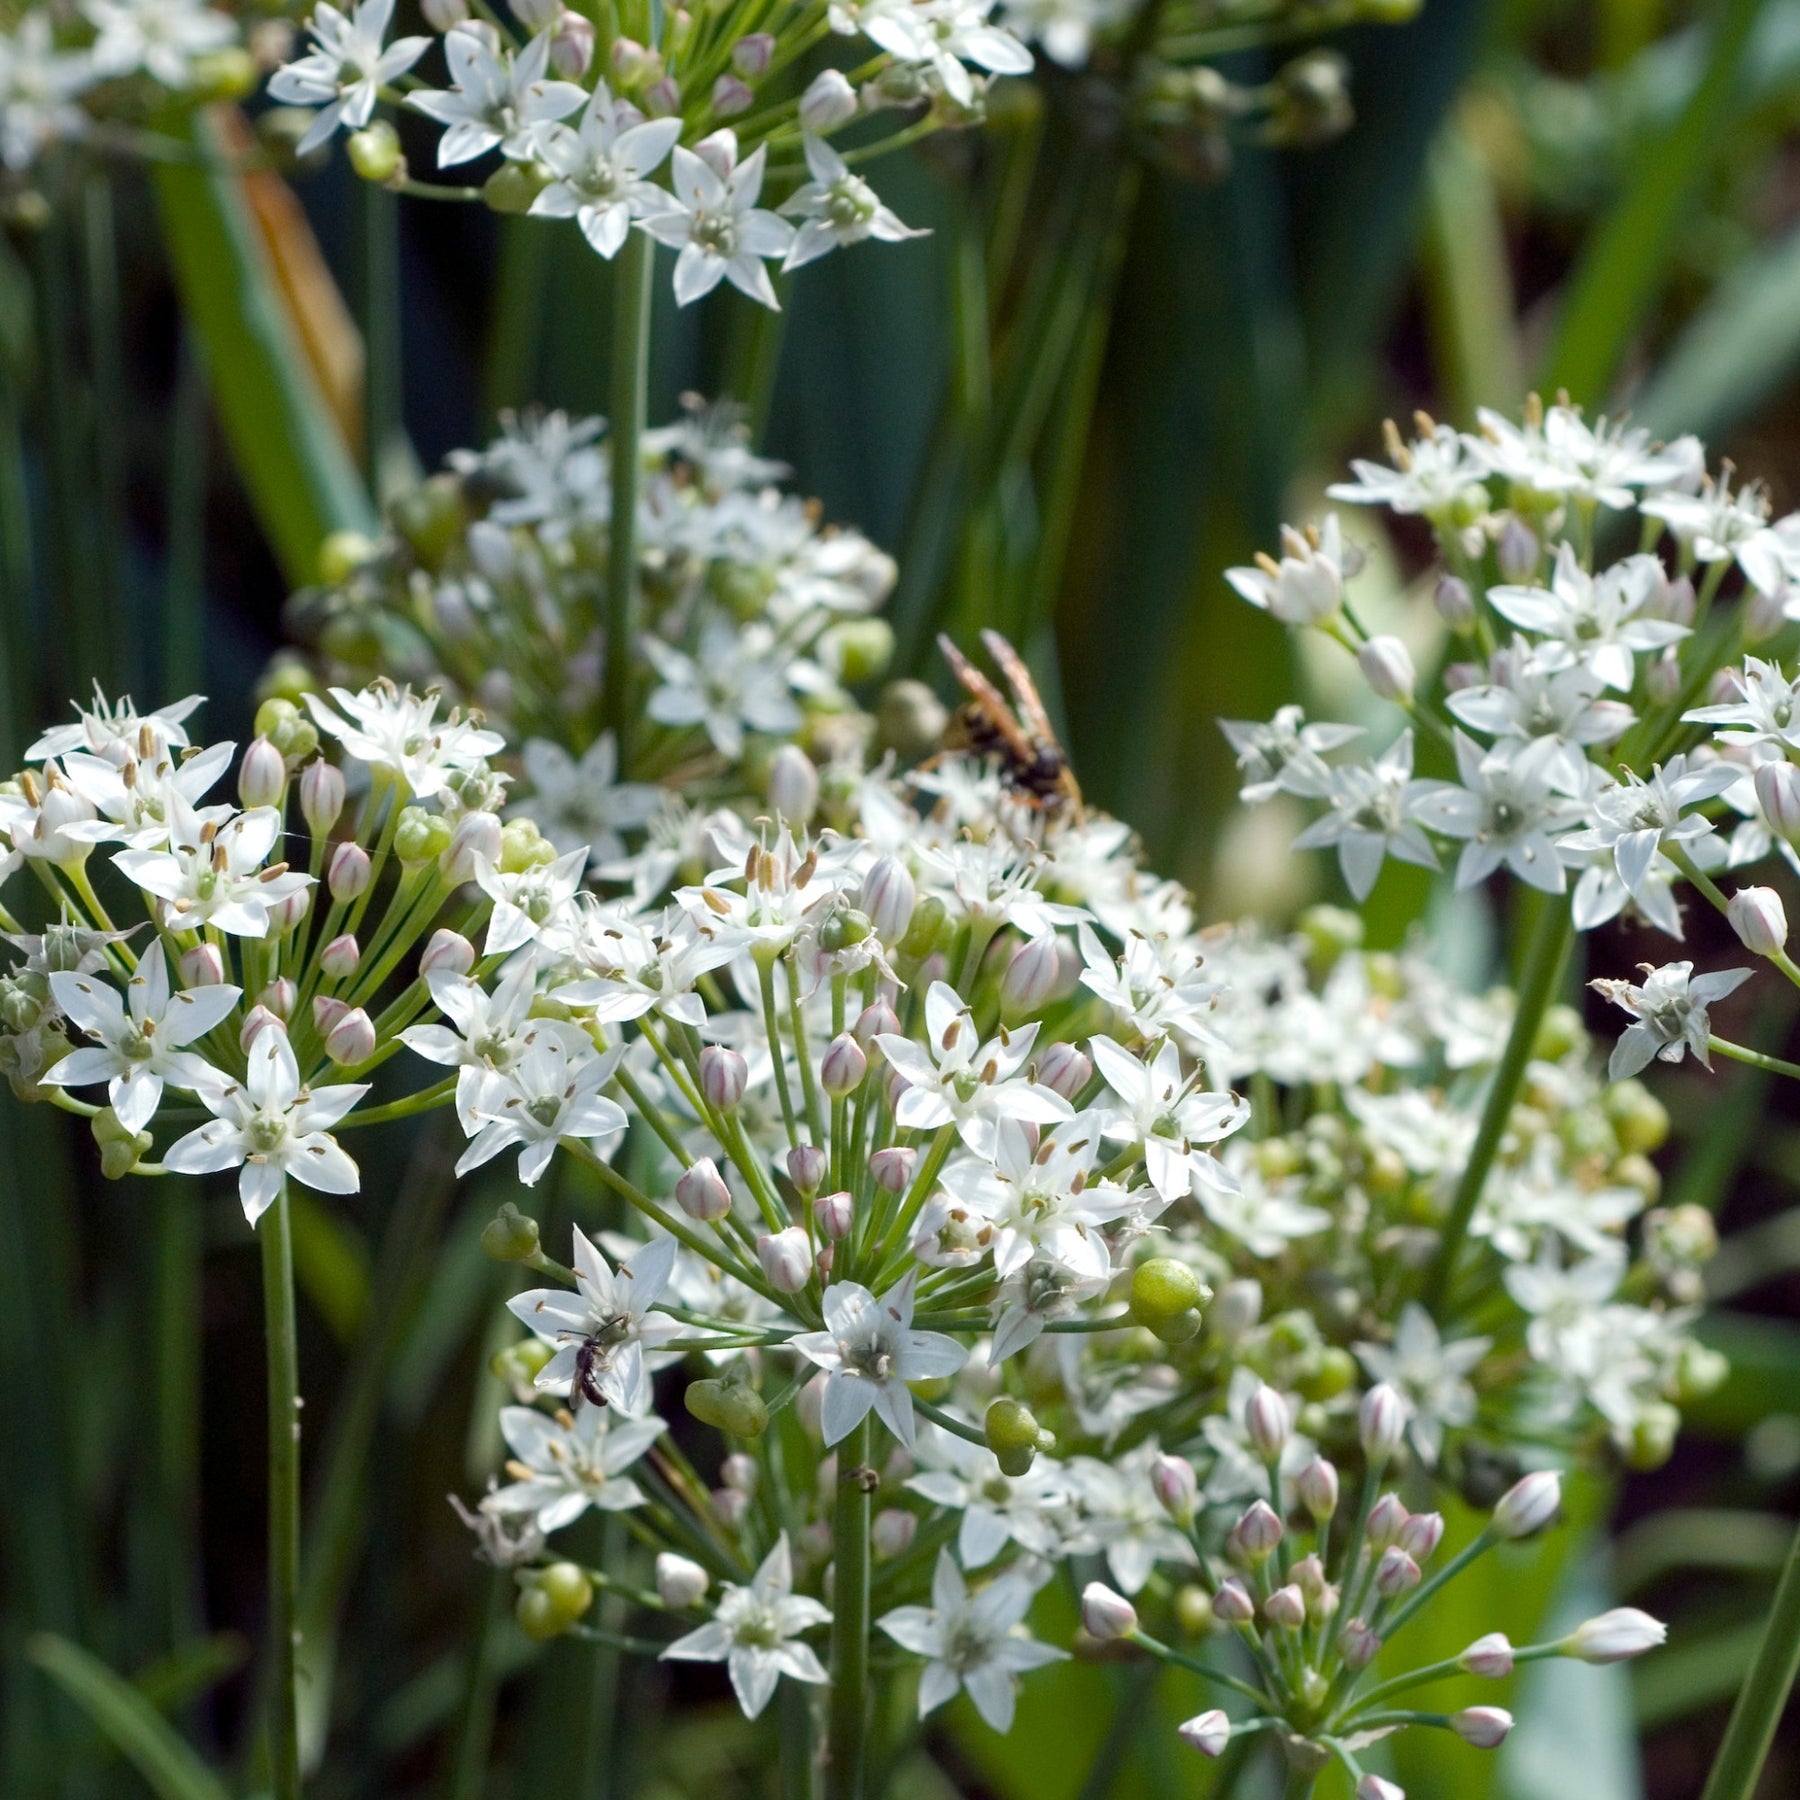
[[142, 1735]]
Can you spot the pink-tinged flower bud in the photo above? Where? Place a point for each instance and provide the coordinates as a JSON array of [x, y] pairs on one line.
[[1672, 600], [1207, 1732], [1387, 1519], [843, 1066], [1373, 1787], [1483, 1726], [347, 872], [829, 101], [1455, 604], [1777, 787], [806, 1167], [893, 1167], [1232, 1604], [341, 958], [1421, 1535], [751, 55], [572, 48], [1662, 677], [1387, 666], [326, 1011], [1031, 975], [286, 915], [262, 775], [1759, 919], [1382, 1423], [1317, 1487], [1358, 1645], [279, 998], [793, 781], [475, 840], [662, 99], [679, 1582], [889, 895], [723, 1074], [1614, 1636], [1491, 1656], [834, 1214], [1309, 1576], [1395, 1574], [444, 15], [1106, 1615], [740, 1471], [786, 1259], [701, 1192], [732, 95], [1267, 1423], [892, 1531], [202, 966], [1176, 1486], [351, 1041], [1062, 1069], [1762, 616], [1258, 1532], [826, 1258], [449, 951], [534, 15], [1460, 675], [1236, 1309], [1517, 551], [1286, 1608], [631, 62], [258, 1020], [729, 1506], [1528, 1505], [878, 1020]]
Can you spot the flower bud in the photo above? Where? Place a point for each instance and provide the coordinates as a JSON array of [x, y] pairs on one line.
[[449, 951], [1421, 1535], [751, 55], [680, 1582], [701, 1192], [1232, 1604], [1176, 1486], [1614, 1636], [829, 101], [1777, 787], [1517, 551], [1387, 1518], [1455, 604], [732, 95], [279, 998], [1014, 1435], [1762, 616], [834, 1214], [1267, 1424], [1483, 1726], [1207, 1732], [893, 1167], [1286, 1608], [662, 99], [510, 1235], [326, 1011], [1528, 1505], [1757, 916], [793, 781], [806, 1167], [262, 774], [1257, 1533], [723, 1074], [1317, 1487], [351, 1041], [1491, 1655], [258, 1020], [889, 895], [1387, 666], [572, 48], [341, 958], [1063, 1070], [1237, 1309], [347, 872], [1381, 1421], [1321, 1597], [1373, 1787], [1031, 975], [202, 966], [1358, 1645], [444, 15], [632, 63], [878, 1020], [1105, 1615], [1662, 677], [1395, 1574], [786, 1259], [729, 1507], [728, 1403], [535, 15], [843, 1066], [740, 1471], [474, 840], [892, 1531]]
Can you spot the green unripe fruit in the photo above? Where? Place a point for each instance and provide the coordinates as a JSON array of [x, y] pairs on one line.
[[430, 518], [1163, 1288], [1652, 1439], [522, 847], [1276, 1157], [286, 727], [569, 1589], [858, 650], [1641, 1173], [909, 719], [512, 188], [1639, 1118], [1014, 1435], [1194, 1611], [727, 1405], [1699, 1371], [540, 1618], [229, 74], [374, 152], [119, 1148], [1329, 931], [1559, 1032], [510, 1235], [926, 927], [342, 554], [520, 1363], [1330, 1375], [845, 928], [421, 837]]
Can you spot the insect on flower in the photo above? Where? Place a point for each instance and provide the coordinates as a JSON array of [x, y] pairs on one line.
[[1032, 761]]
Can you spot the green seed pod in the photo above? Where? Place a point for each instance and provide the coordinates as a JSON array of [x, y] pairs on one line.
[[858, 650], [844, 928], [1166, 1296], [1639, 1118], [1329, 931], [430, 517], [342, 554], [510, 1235], [421, 837], [1652, 1439], [1330, 1374], [1559, 1032], [229, 74], [539, 1616], [522, 847], [119, 1148], [569, 1589], [909, 720], [728, 1405], [374, 152], [927, 926], [519, 1364], [513, 187], [1194, 1611], [1014, 1435]]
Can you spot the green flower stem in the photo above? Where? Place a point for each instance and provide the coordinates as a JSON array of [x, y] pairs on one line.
[[1478, 1546], [1205, 1671], [1300, 1784], [1544, 960], [1755, 1058], [630, 400], [468, 1768], [896, 1237], [950, 1423], [850, 1620], [284, 1497]]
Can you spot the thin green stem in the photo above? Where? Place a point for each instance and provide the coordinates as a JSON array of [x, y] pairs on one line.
[[630, 400], [850, 1619], [468, 1767], [284, 1497], [1755, 1058]]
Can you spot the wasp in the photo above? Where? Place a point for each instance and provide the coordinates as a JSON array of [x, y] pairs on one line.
[[592, 1355], [1032, 762]]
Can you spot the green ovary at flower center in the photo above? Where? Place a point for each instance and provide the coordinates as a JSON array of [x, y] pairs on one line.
[[967, 1646], [135, 1044], [756, 1631], [266, 1132], [868, 1357], [545, 1110], [849, 203], [716, 233]]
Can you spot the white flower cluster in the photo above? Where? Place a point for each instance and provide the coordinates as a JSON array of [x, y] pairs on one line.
[[1611, 739]]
